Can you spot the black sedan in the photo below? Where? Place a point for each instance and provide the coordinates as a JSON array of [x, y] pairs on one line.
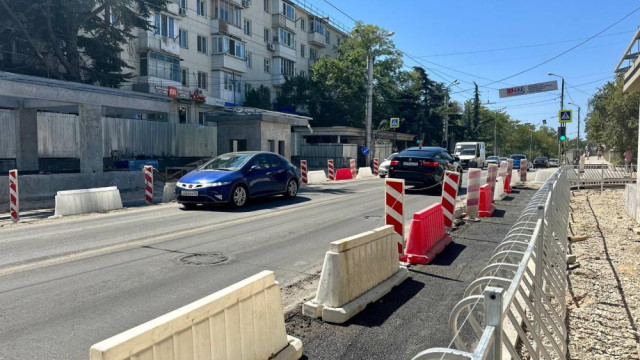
[[540, 162], [423, 166]]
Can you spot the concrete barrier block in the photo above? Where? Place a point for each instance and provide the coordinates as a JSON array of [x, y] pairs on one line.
[[630, 202], [316, 177], [168, 192], [499, 193], [244, 320], [357, 271], [71, 202], [364, 173], [515, 178]]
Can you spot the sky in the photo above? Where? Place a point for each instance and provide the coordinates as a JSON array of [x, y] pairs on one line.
[[486, 41]]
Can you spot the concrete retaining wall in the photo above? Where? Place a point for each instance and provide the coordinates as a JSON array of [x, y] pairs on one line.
[[357, 271], [630, 202], [72, 202], [242, 321]]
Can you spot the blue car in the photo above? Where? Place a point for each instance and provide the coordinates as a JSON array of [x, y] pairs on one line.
[[237, 177], [516, 160]]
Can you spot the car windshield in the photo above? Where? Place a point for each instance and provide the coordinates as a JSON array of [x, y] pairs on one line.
[[518, 157], [556, 160], [541, 159], [492, 158], [465, 150], [227, 162], [417, 153], [392, 156]]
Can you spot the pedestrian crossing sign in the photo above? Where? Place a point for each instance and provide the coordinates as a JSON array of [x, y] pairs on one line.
[[565, 115], [395, 123]]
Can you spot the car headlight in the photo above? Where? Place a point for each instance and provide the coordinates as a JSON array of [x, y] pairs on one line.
[[216, 184]]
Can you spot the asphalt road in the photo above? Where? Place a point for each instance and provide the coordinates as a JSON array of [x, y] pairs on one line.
[[69, 283]]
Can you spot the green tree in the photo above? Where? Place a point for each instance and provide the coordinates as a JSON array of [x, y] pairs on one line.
[[75, 40], [259, 98]]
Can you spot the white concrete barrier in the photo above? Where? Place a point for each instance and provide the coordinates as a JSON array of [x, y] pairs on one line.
[[499, 194], [515, 178], [71, 202], [543, 175], [168, 192], [630, 200], [242, 321], [357, 271], [364, 173], [316, 177]]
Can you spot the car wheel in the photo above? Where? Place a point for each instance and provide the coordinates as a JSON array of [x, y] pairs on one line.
[[292, 189], [239, 196], [190, 206]]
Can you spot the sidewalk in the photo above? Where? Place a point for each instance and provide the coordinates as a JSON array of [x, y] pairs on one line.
[[603, 300], [413, 316]]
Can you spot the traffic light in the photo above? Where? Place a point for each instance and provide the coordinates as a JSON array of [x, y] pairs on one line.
[[562, 133]]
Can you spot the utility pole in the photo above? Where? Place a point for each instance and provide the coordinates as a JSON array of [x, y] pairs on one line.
[[564, 125], [445, 124], [369, 107], [531, 142], [495, 136]]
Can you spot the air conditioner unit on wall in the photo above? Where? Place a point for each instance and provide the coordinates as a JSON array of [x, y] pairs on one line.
[[183, 11], [246, 3], [271, 47]]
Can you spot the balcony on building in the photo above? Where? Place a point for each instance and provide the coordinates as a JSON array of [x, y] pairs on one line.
[[225, 61], [283, 50], [159, 43], [219, 26], [281, 21], [316, 39], [278, 79]]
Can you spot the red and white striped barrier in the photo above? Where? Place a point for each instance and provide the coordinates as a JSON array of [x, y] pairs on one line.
[[331, 172], [303, 170], [352, 166], [14, 204], [376, 164], [449, 194], [492, 176], [473, 193], [523, 170], [394, 207], [509, 166], [148, 183], [504, 168]]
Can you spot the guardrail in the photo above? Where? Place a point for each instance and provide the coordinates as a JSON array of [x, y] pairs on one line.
[[594, 175], [519, 297]]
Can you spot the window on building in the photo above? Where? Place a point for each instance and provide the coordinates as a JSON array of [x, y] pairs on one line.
[[184, 76], [160, 66], [202, 44], [303, 73], [338, 40], [267, 5], [316, 26], [183, 4], [228, 11], [281, 147], [183, 114], [302, 24], [202, 80], [201, 117], [266, 35], [247, 27], [184, 38], [164, 25], [287, 67], [327, 37], [313, 54], [249, 60], [272, 145], [226, 45], [267, 66], [247, 88], [285, 37], [288, 11], [201, 7], [237, 145], [232, 82], [302, 50]]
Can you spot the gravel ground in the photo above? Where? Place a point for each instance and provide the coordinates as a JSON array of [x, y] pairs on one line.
[[603, 302]]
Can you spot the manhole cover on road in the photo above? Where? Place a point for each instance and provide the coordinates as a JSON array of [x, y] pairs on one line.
[[369, 217], [204, 259]]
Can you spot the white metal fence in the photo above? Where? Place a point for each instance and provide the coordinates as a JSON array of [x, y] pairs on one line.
[[519, 297], [601, 175]]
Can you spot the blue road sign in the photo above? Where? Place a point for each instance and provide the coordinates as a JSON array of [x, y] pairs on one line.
[[365, 151], [394, 123], [564, 115]]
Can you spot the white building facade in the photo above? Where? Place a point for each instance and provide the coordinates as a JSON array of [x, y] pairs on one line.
[[209, 53]]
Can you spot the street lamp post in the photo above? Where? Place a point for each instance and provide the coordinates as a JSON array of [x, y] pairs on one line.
[[445, 125], [560, 145]]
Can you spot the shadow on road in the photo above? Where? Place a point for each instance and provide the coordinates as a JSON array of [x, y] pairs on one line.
[[498, 213], [253, 204], [449, 254]]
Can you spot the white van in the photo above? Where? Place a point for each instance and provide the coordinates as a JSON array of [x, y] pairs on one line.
[[471, 153]]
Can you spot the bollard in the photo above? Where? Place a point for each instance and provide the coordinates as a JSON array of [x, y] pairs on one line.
[[473, 193], [449, 194], [523, 170], [148, 183], [375, 166], [303, 170], [352, 166], [394, 207], [492, 176], [14, 198], [331, 172]]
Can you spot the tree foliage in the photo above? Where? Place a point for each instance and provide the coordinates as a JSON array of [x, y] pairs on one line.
[[259, 98], [75, 40]]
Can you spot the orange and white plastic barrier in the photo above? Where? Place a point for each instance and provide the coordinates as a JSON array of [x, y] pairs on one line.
[[507, 184], [330, 170], [376, 164], [303, 170], [509, 166], [504, 167], [14, 198], [427, 236], [344, 174], [473, 192], [485, 208], [523, 170], [449, 195], [148, 183], [394, 207], [352, 166], [492, 175]]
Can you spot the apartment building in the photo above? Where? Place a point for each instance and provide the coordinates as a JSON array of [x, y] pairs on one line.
[[209, 53]]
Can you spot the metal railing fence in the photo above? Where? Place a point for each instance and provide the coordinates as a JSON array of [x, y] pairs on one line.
[[517, 303], [601, 175]]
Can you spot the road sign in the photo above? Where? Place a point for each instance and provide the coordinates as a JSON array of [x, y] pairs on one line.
[[394, 123], [565, 115], [528, 89], [365, 151]]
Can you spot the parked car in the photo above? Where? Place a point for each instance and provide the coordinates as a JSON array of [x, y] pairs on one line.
[[516, 160], [237, 177], [553, 162], [502, 158], [540, 162], [383, 169], [423, 166], [493, 160]]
